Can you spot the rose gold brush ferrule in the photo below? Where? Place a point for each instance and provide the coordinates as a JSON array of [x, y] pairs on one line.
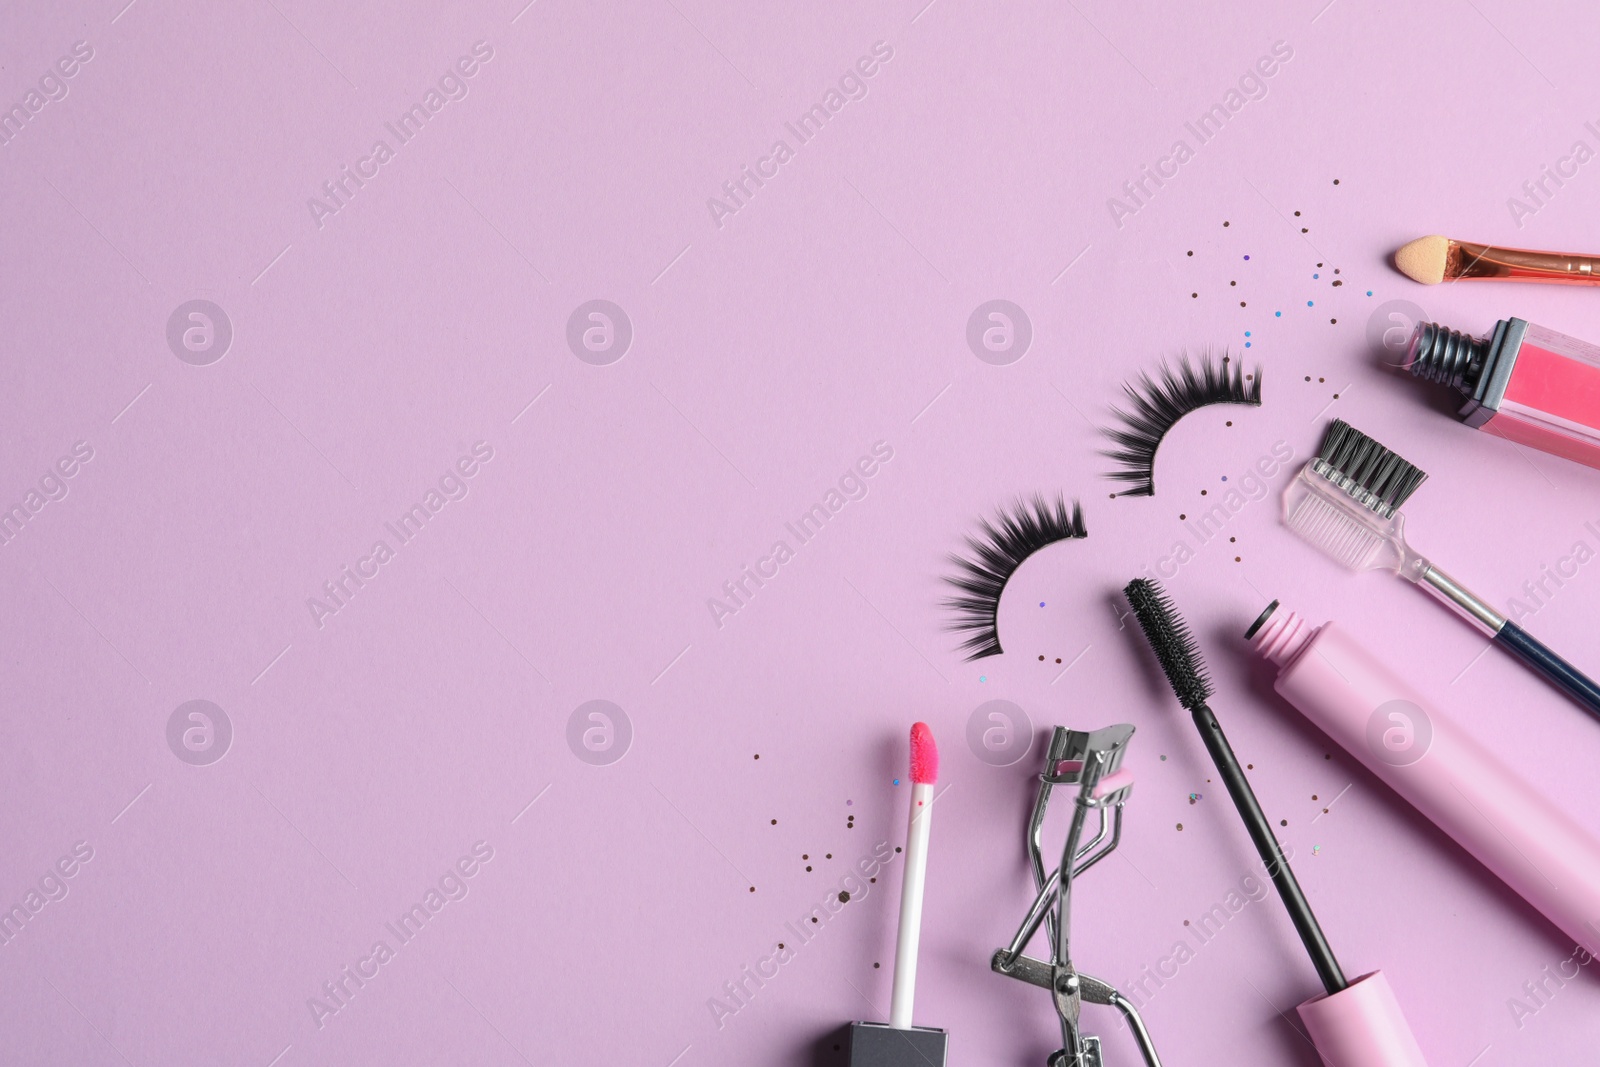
[[1431, 260], [1467, 260]]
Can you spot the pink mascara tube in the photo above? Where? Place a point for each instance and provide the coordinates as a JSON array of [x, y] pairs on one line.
[[1457, 782]]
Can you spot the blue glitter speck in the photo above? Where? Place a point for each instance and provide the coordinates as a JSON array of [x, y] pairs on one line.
[[983, 677], [1369, 292], [1041, 603], [1277, 314], [1246, 257], [1247, 333], [1311, 303], [1247, 344], [897, 781]]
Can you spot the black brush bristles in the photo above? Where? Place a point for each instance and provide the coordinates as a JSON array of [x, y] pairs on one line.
[[1171, 641], [998, 549], [1159, 404], [1370, 474]]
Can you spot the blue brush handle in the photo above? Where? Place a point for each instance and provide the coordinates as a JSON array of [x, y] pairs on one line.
[[1536, 655]]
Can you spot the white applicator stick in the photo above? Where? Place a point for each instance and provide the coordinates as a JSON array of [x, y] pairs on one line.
[[924, 772]]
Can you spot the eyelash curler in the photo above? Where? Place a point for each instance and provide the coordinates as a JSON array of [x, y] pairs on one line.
[[1091, 762]]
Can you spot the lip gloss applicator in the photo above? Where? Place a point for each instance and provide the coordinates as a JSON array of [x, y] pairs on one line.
[[901, 1044]]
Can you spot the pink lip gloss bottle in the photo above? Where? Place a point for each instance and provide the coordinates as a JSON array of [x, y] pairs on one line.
[[1462, 785], [1524, 382]]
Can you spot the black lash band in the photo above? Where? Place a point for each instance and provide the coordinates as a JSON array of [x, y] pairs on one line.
[[1159, 404], [998, 549]]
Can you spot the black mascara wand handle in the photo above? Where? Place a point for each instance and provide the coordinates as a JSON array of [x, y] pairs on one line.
[[1267, 847]]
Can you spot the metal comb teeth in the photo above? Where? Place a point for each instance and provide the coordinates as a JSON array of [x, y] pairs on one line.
[[1370, 474]]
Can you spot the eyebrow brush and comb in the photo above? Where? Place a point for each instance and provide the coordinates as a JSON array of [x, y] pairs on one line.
[[1346, 502]]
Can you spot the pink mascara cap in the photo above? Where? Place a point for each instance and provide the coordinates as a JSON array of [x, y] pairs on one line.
[[1361, 1026]]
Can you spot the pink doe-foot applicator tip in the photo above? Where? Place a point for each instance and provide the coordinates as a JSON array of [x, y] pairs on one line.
[[924, 755]]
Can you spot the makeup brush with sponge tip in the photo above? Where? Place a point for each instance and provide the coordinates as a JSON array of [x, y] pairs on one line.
[[1346, 502], [1353, 1023], [1434, 259]]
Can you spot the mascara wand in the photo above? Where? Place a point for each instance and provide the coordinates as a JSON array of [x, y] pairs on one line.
[[1174, 647], [1354, 1022]]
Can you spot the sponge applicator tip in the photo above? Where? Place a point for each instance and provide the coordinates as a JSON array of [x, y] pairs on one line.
[[924, 755], [1424, 259]]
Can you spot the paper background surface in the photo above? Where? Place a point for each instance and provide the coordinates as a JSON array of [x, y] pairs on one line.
[[374, 346]]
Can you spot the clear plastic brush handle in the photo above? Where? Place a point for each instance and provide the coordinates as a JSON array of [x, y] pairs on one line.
[[1361, 539], [1327, 517]]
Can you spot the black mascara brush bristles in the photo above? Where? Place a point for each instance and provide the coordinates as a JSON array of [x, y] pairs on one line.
[[1159, 404], [1171, 641], [998, 549], [1370, 474]]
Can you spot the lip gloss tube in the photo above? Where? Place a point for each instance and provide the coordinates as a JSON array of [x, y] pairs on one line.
[[1460, 784], [1523, 382]]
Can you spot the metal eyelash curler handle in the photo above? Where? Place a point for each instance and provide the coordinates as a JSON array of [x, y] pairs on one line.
[[1091, 762]]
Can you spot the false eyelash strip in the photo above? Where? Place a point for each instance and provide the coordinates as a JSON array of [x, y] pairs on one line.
[[997, 550], [1158, 405]]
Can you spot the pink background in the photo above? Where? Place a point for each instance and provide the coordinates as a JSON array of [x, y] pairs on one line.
[[371, 753]]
